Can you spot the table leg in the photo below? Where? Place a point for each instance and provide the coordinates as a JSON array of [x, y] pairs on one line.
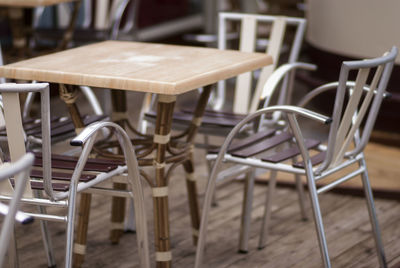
[[67, 37], [16, 19], [165, 109], [191, 186], [69, 94], [189, 166], [118, 203]]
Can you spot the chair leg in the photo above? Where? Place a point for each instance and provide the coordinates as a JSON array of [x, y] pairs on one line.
[[48, 246], [70, 226], [12, 252], [318, 222], [130, 225], [267, 210], [302, 198], [373, 217], [246, 212]]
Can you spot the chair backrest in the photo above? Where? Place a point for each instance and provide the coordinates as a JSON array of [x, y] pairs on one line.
[[16, 136], [276, 30], [20, 172], [364, 99], [104, 15]]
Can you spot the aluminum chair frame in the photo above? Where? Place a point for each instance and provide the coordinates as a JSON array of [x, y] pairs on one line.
[[344, 129], [67, 200], [20, 170]]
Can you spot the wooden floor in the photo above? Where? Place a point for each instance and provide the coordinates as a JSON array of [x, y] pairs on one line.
[[292, 242]]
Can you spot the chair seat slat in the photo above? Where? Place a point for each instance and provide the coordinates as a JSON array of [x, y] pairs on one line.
[[247, 141], [290, 152], [263, 145], [315, 160], [62, 176]]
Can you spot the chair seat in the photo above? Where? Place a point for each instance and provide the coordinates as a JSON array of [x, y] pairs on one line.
[[59, 126], [69, 163], [269, 139], [210, 118]]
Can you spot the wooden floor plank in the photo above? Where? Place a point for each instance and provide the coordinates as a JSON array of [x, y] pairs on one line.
[[292, 242]]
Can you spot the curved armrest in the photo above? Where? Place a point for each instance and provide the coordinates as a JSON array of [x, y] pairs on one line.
[[329, 86], [278, 75], [87, 139], [87, 133], [297, 110]]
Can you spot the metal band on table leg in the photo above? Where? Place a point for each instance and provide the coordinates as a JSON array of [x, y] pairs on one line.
[[165, 109]]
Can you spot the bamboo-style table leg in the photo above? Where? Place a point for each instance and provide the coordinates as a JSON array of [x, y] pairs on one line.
[[189, 165], [165, 107], [68, 34], [118, 203], [69, 94], [16, 19]]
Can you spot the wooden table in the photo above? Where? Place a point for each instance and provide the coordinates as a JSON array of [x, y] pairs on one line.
[[166, 70], [16, 18]]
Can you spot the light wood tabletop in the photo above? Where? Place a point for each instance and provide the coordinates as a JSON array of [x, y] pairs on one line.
[[31, 3], [146, 67]]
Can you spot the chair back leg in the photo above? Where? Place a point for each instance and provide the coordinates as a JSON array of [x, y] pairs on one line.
[[372, 215]]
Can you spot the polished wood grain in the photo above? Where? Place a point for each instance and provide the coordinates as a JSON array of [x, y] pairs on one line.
[[31, 3], [154, 68]]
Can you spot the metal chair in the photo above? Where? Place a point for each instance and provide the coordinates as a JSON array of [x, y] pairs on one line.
[[20, 171], [280, 37], [315, 159], [59, 188], [98, 21]]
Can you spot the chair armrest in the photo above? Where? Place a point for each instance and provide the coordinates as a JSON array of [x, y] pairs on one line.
[[330, 86], [89, 131], [278, 75], [299, 111]]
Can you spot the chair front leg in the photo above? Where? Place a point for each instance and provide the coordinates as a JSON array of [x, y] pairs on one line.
[[302, 198], [318, 221], [247, 208], [267, 210]]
